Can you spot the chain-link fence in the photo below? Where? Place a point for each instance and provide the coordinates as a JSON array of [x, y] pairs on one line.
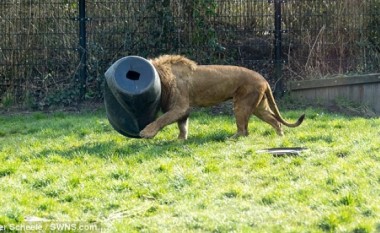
[[56, 51]]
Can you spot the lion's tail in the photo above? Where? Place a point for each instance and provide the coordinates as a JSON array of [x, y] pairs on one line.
[[277, 114]]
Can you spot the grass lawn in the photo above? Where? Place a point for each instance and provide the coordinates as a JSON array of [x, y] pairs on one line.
[[75, 167]]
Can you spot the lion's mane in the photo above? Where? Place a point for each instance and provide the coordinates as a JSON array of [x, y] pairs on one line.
[[170, 67]]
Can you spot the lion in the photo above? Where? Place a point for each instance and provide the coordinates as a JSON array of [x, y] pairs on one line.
[[185, 85]]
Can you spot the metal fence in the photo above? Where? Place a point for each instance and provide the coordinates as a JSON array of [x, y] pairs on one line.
[[55, 52]]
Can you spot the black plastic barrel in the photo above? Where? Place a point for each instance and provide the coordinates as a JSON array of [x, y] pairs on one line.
[[132, 95]]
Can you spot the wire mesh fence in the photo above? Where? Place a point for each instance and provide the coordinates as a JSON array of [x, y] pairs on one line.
[[38, 57], [41, 54]]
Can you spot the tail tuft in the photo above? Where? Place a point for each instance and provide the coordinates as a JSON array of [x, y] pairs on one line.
[[300, 120]]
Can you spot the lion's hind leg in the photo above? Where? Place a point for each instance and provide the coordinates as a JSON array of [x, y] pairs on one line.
[[264, 113], [243, 108]]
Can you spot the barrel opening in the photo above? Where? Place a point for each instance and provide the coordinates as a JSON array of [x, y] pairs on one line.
[[133, 75]]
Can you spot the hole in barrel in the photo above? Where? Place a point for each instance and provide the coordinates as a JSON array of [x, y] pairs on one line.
[[133, 75]]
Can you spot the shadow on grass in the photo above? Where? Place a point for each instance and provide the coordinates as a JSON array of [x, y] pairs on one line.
[[139, 147]]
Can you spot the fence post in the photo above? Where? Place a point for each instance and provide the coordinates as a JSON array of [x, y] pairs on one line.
[[279, 84], [82, 49]]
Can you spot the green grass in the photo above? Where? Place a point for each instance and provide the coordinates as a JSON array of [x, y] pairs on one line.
[[75, 167]]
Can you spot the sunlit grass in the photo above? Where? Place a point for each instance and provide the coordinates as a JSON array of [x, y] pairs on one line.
[[75, 167]]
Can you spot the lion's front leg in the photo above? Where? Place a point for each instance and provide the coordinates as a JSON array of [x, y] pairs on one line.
[[166, 119], [183, 125]]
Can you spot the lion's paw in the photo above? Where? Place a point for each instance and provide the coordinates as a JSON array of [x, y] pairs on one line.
[[147, 133]]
